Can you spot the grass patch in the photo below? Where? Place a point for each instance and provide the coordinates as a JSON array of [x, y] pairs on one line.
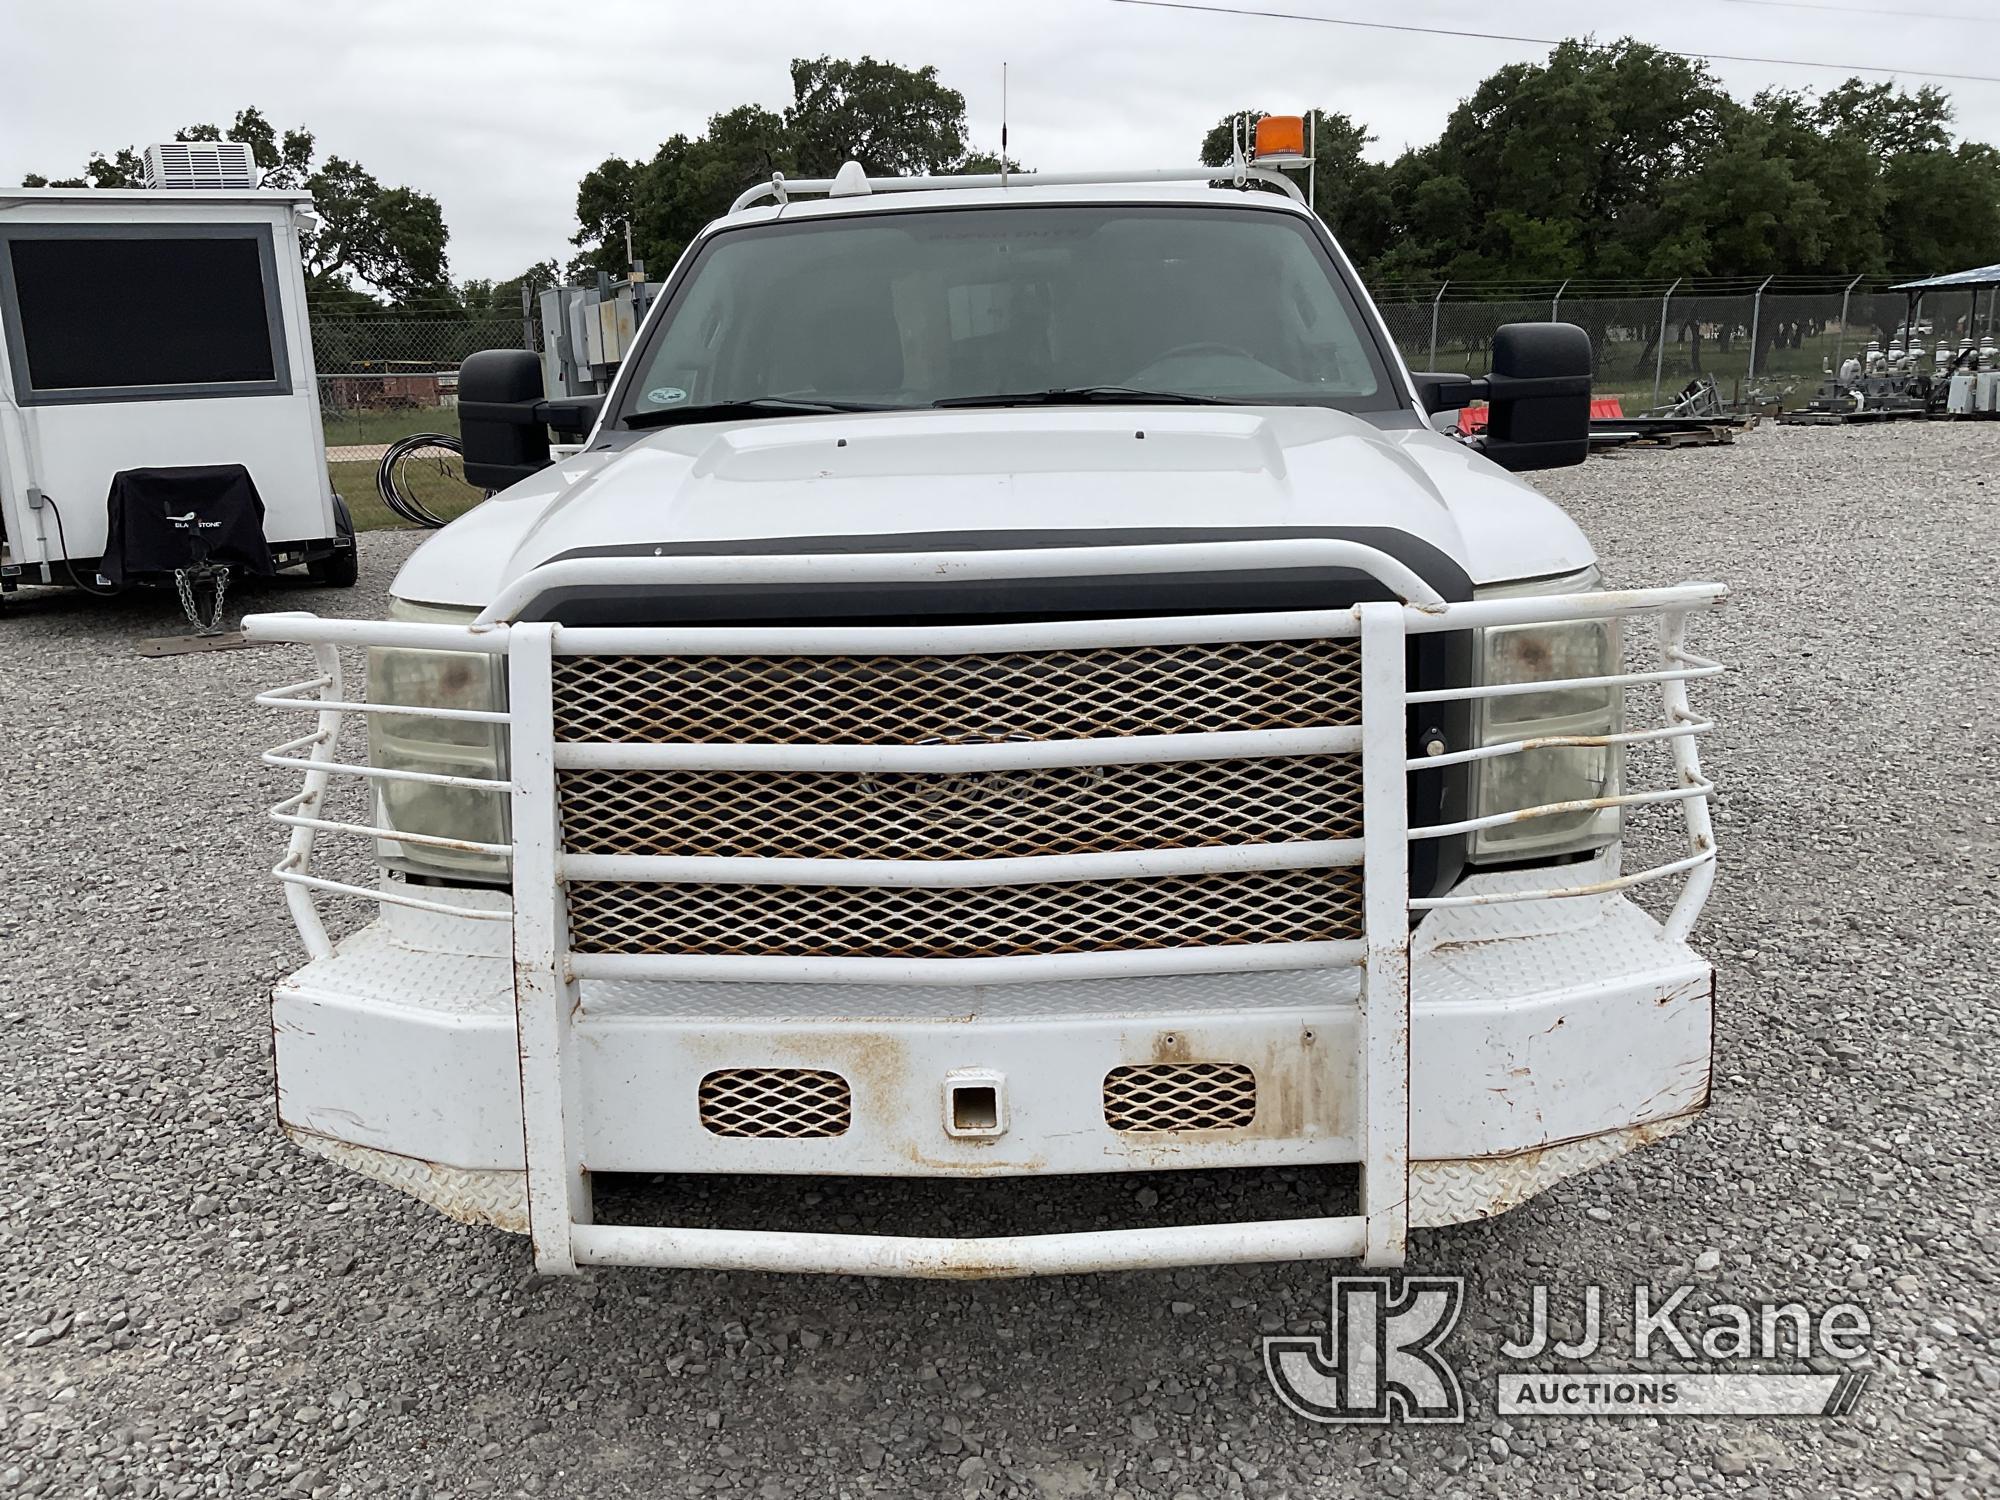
[[350, 428], [443, 493]]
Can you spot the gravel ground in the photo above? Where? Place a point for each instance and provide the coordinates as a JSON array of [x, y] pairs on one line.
[[193, 1307]]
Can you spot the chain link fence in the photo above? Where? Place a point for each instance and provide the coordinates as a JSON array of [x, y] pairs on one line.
[[382, 378], [1647, 348]]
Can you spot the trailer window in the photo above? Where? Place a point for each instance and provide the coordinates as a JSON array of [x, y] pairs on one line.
[[122, 315]]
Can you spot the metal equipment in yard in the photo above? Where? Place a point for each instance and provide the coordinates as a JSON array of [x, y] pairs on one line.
[[1696, 418], [1664, 432], [1905, 380], [586, 330], [1698, 399], [1876, 385]]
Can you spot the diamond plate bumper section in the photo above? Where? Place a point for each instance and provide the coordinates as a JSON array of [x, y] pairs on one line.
[[1547, 1037]]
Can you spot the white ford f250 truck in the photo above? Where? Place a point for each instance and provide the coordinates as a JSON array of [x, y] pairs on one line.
[[1009, 681]]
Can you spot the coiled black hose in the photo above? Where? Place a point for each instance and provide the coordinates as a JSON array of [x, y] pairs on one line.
[[390, 479]]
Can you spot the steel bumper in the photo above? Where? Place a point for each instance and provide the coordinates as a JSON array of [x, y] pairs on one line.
[[1546, 1036]]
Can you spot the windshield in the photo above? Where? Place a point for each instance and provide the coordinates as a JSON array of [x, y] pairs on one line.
[[912, 308]]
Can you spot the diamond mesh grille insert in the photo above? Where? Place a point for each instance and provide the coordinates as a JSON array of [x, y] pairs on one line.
[[1180, 1096], [1084, 693], [982, 815], [1177, 911], [794, 1103], [1088, 693]]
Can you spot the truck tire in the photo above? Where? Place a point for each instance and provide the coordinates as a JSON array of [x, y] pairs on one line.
[[340, 568]]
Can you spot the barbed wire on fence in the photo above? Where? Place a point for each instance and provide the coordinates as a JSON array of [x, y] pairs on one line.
[[1647, 348], [382, 377]]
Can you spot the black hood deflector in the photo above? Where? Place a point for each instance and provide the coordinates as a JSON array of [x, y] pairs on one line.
[[962, 601]]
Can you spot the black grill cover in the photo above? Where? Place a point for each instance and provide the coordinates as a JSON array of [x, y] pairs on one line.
[[164, 519]]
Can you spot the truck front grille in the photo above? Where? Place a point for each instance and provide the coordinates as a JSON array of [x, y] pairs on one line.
[[1094, 693], [1090, 693], [885, 921], [984, 815]]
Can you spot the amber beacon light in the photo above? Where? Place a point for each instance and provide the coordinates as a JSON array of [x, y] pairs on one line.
[[1281, 141]]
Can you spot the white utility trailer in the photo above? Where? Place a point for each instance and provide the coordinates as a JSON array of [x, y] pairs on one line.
[[156, 331]]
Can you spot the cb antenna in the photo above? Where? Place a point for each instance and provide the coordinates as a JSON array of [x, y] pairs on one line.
[[1003, 124]]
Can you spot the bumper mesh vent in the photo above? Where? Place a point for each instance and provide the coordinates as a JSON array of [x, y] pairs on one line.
[[1180, 1096], [1103, 916], [783, 1103], [1092, 693]]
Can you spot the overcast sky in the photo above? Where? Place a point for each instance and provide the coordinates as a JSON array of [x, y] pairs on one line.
[[497, 107]]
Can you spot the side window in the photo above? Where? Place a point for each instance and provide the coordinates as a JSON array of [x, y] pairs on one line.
[[118, 316]]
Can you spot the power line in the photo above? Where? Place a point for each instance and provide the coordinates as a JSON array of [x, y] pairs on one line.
[[1543, 41]]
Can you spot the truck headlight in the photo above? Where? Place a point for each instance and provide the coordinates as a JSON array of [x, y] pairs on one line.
[[1533, 778], [449, 747]]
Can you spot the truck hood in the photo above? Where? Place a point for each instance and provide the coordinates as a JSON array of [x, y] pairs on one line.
[[1013, 469]]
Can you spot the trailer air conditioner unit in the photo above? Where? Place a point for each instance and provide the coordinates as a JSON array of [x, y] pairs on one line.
[[201, 166]]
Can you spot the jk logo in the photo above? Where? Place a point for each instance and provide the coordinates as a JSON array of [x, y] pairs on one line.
[[1379, 1359]]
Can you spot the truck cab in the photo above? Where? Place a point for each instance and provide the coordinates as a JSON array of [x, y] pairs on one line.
[[1009, 680]]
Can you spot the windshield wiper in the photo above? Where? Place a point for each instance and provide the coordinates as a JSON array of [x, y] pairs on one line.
[[1088, 395], [750, 406]]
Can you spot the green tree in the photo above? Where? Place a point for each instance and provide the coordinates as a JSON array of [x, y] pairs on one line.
[[667, 200], [1432, 219], [893, 120], [1890, 121], [1843, 167], [499, 299], [1936, 201], [897, 122], [1592, 138], [1621, 162], [988, 162], [392, 238], [1942, 208], [1746, 211]]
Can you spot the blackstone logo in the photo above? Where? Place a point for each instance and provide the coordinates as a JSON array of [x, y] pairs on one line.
[[1383, 1358]]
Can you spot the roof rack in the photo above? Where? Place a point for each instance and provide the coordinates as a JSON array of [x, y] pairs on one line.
[[852, 181]]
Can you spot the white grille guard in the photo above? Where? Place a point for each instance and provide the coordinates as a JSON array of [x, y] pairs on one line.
[[547, 972]]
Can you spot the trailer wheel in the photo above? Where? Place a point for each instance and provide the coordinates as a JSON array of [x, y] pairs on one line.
[[340, 568]]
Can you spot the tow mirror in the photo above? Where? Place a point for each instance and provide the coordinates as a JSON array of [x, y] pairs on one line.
[[503, 419], [1538, 396], [1446, 392]]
